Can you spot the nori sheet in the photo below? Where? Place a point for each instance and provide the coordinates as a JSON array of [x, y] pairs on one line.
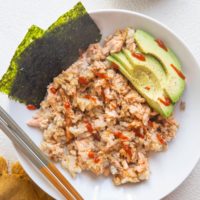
[[52, 53], [34, 32]]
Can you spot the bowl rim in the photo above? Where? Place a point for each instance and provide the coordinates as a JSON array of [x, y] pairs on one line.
[[179, 39], [116, 10]]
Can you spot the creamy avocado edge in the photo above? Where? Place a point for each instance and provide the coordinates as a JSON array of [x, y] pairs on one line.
[[156, 68], [175, 85], [150, 62], [142, 73], [152, 95]]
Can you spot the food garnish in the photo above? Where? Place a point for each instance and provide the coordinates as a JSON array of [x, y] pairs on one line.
[[42, 55]]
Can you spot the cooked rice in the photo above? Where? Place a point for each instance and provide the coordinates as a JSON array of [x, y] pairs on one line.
[[93, 119]]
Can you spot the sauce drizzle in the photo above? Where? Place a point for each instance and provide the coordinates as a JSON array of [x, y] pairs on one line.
[[31, 107], [96, 159], [120, 135], [114, 66], [67, 105], [165, 101], [150, 123], [89, 126], [128, 150], [87, 96], [82, 80], [101, 75], [161, 140], [53, 90], [91, 154], [138, 134], [147, 88], [139, 56], [181, 75], [161, 44]]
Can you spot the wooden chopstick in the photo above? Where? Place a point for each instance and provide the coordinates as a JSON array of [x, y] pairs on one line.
[[19, 137], [35, 160], [58, 174], [56, 183]]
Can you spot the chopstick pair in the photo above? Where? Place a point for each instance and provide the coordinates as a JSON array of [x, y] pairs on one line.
[[33, 153]]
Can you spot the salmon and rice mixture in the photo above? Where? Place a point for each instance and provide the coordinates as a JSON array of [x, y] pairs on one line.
[[93, 119]]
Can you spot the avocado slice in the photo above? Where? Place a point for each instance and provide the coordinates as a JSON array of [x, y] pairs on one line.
[[175, 83], [141, 77], [150, 62], [124, 61]]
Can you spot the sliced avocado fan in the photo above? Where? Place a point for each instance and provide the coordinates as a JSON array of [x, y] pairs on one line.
[[175, 82], [144, 81], [149, 62]]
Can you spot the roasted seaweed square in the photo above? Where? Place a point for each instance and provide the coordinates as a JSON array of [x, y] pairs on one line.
[[50, 54]]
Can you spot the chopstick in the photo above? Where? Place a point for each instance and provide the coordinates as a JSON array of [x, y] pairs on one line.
[[34, 159], [26, 145]]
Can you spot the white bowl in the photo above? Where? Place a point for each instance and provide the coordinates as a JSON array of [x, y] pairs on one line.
[[168, 169]]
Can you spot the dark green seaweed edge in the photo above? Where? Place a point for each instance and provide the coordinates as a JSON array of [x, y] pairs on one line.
[[34, 32], [77, 11]]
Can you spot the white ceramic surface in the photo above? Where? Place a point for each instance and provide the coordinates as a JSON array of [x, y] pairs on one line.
[[168, 169]]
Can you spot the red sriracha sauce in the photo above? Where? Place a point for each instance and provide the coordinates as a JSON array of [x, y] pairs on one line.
[[101, 75], [161, 140], [105, 99], [150, 123], [138, 134], [91, 154], [147, 88], [87, 96], [89, 127], [96, 159], [181, 75], [114, 66], [53, 90], [139, 56], [31, 107], [161, 44], [67, 105], [128, 150], [82, 80], [165, 101], [120, 135]]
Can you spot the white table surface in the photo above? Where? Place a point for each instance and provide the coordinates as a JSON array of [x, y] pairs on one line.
[[183, 16]]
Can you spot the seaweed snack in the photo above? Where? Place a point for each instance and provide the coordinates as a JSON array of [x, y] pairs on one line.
[[42, 55]]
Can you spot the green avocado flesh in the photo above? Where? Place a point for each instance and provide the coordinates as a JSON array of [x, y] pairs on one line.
[[43, 55], [150, 62], [174, 83], [140, 77], [124, 61]]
